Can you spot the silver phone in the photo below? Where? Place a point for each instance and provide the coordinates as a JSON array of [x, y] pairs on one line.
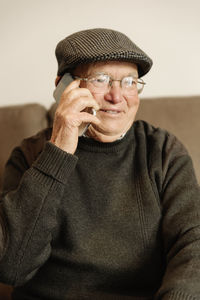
[[63, 83]]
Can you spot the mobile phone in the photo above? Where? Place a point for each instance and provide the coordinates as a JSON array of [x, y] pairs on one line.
[[63, 83]]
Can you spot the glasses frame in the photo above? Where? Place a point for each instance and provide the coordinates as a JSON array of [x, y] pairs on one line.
[[137, 80]]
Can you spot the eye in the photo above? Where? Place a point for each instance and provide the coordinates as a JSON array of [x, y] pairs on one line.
[[128, 81], [100, 80]]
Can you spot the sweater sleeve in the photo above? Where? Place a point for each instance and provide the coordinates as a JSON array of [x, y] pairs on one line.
[[28, 211], [180, 202]]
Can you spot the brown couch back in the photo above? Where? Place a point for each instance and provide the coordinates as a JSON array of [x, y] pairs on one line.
[[16, 123], [180, 116]]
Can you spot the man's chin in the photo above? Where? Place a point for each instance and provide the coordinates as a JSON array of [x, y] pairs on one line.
[[105, 135]]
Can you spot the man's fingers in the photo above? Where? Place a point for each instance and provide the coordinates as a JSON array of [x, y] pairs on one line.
[[73, 85], [79, 103], [78, 98], [82, 103], [85, 117], [75, 92]]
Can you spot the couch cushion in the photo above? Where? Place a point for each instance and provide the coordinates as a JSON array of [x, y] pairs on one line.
[[180, 116], [24, 121]]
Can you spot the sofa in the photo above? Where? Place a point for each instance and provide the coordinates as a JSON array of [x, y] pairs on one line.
[[179, 115]]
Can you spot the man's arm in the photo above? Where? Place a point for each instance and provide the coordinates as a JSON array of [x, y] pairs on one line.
[[28, 211], [180, 200]]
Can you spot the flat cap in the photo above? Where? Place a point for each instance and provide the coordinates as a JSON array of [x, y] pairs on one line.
[[99, 44]]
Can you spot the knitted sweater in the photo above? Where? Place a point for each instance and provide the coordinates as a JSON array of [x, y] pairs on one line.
[[116, 220]]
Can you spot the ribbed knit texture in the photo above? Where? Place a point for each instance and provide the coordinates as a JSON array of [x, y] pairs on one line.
[[177, 295], [114, 221]]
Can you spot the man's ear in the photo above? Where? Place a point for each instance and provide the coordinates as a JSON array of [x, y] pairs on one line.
[[57, 80]]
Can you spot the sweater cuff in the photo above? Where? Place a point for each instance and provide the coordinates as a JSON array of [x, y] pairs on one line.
[[55, 163]]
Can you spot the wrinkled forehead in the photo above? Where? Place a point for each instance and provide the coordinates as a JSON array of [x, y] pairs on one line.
[[108, 67]]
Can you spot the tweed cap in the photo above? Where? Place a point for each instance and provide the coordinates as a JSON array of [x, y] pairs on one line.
[[99, 44]]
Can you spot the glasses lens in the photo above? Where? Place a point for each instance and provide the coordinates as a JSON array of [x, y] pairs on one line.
[[128, 82], [99, 81], [129, 85]]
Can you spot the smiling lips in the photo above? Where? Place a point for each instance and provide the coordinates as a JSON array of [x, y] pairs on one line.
[[110, 111]]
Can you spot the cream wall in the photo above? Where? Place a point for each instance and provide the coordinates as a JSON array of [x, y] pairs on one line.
[[169, 31]]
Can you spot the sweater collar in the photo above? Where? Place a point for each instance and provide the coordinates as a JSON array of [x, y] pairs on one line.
[[92, 145]]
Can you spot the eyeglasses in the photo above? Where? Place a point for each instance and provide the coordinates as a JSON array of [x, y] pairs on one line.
[[100, 83]]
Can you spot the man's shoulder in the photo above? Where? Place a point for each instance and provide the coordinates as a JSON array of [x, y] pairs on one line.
[[158, 138], [33, 146], [148, 130]]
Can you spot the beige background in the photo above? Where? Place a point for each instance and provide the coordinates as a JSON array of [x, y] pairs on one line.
[[169, 31]]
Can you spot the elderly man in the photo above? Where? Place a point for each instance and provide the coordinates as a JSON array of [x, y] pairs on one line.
[[113, 213]]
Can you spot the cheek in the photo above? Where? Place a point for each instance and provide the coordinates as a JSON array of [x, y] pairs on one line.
[[98, 97], [133, 102]]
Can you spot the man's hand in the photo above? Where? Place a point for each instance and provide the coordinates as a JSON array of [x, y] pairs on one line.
[[70, 114]]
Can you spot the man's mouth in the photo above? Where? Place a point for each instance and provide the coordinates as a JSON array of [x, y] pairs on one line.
[[113, 112]]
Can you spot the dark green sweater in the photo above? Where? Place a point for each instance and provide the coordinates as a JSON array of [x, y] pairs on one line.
[[116, 220]]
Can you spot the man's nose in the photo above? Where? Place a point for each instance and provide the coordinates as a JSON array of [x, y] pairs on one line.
[[115, 93]]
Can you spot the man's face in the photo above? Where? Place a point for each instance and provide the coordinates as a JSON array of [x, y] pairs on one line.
[[117, 107]]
